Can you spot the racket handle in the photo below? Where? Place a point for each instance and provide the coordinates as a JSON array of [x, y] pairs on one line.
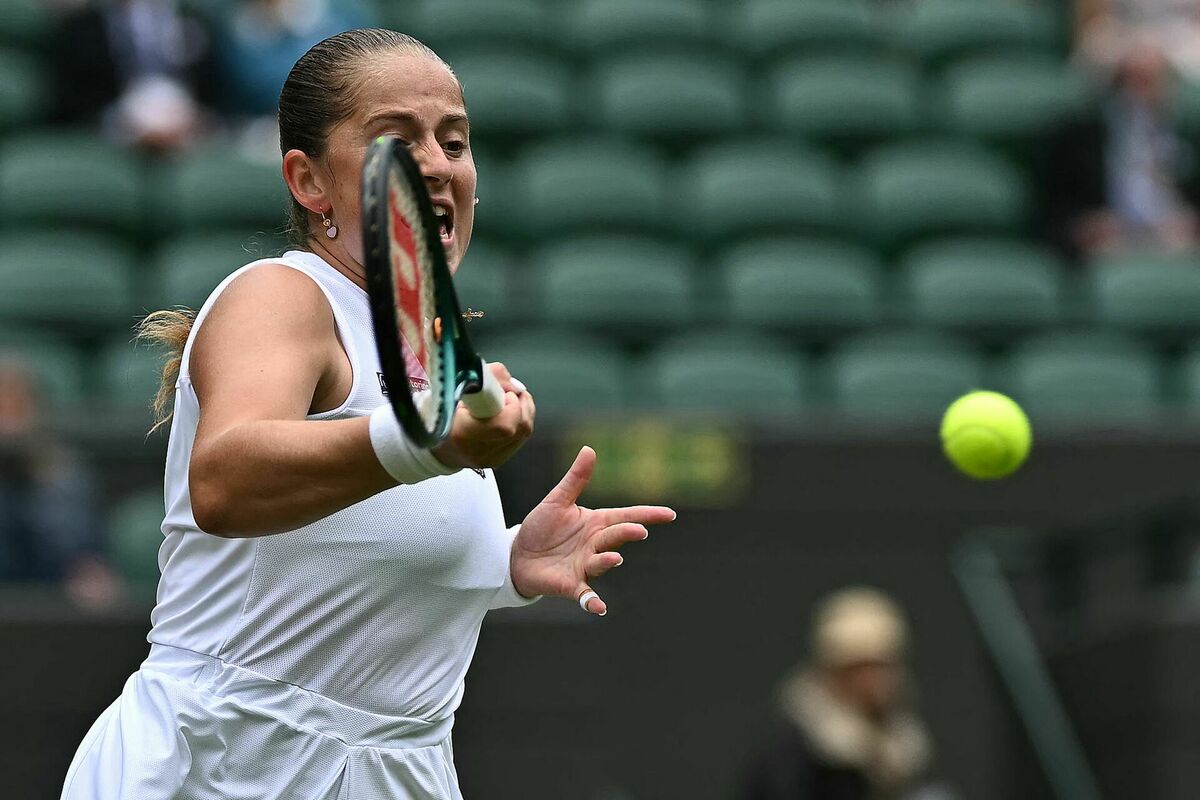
[[487, 402]]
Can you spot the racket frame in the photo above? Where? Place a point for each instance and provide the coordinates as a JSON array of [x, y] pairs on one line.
[[461, 366]]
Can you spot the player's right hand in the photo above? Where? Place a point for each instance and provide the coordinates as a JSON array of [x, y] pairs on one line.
[[480, 443]]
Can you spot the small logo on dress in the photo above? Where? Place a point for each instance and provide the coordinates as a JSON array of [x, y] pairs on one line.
[[382, 384]]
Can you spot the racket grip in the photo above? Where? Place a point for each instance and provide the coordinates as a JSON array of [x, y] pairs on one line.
[[487, 402]]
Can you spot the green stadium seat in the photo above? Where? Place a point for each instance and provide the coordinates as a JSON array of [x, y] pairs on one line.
[[56, 365], [740, 187], [68, 278], [128, 373], [669, 96], [902, 375], [76, 179], [1147, 292], [731, 372], [625, 284], [846, 101], [909, 191], [24, 89], [220, 188], [484, 281], [561, 187], [567, 372], [809, 285], [1187, 375], [513, 93], [1085, 377], [768, 28], [938, 31], [186, 268], [492, 182], [983, 284], [608, 26], [25, 22], [1011, 99], [450, 25], [135, 536]]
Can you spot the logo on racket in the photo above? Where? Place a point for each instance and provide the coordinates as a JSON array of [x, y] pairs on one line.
[[411, 318]]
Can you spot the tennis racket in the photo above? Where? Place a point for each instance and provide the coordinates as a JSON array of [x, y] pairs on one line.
[[426, 356]]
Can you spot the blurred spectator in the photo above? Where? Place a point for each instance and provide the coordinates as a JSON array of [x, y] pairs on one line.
[[261, 39], [846, 731], [143, 69], [1103, 29], [1119, 179], [48, 519]]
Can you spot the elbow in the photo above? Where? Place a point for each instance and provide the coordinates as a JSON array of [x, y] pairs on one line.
[[210, 505], [211, 497]]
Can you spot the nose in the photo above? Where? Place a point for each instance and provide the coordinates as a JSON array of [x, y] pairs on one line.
[[434, 164]]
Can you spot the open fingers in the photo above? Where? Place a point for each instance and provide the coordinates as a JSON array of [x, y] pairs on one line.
[[573, 483], [646, 515], [614, 536], [597, 565]]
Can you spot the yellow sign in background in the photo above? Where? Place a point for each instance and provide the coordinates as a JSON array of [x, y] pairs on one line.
[[652, 460]]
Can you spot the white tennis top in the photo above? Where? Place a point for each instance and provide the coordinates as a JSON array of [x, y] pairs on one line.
[[377, 606]]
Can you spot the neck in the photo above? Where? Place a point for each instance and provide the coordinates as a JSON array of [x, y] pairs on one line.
[[340, 260]]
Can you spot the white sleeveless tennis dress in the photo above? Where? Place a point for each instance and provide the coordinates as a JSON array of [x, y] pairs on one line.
[[325, 663]]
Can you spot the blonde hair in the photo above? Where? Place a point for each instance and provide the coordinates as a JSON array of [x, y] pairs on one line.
[[858, 623], [169, 330]]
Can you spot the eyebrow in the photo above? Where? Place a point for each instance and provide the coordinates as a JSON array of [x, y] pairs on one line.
[[408, 116]]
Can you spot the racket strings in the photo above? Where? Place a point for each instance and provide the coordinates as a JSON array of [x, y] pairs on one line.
[[419, 334]]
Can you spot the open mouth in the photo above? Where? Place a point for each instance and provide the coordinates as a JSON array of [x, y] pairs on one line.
[[444, 214]]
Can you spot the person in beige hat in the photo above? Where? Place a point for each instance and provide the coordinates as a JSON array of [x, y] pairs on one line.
[[847, 731]]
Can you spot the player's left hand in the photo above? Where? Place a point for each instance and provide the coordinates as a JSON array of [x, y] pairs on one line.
[[561, 545]]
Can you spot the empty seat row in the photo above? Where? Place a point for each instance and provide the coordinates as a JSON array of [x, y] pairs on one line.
[[78, 178], [929, 30], [894, 194], [814, 286], [740, 371], [117, 374], [1095, 376], [843, 101]]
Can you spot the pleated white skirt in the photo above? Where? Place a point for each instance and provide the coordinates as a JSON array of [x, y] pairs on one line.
[[190, 727]]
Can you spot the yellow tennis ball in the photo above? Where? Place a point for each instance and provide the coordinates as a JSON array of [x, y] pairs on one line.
[[986, 435]]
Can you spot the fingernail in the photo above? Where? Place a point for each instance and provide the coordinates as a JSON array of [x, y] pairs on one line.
[[674, 516], [620, 561], [603, 613], [516, 384]]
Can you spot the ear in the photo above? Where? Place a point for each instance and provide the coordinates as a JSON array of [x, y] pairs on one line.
[[306, 180]]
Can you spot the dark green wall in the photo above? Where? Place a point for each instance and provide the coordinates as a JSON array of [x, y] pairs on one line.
[[665, 696]]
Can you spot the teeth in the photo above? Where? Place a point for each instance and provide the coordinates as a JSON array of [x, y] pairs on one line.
[[439, 211]]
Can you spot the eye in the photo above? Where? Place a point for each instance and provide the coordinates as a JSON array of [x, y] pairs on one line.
[[455, 147]]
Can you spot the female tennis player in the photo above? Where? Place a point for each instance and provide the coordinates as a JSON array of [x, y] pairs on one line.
[[323, 581]]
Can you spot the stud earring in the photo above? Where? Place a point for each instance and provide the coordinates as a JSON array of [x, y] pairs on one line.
[[476, 201], [330, 229]]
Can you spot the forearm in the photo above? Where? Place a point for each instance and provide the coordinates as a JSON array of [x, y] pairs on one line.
[[270, 476]]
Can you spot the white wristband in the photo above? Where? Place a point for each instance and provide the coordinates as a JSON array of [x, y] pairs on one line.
[[402, 459]]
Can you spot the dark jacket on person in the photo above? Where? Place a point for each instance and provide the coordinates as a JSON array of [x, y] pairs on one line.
[[98, 53], [820, 749]]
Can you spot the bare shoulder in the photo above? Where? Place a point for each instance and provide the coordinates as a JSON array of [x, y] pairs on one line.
[[274, 293], [270, 319]]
